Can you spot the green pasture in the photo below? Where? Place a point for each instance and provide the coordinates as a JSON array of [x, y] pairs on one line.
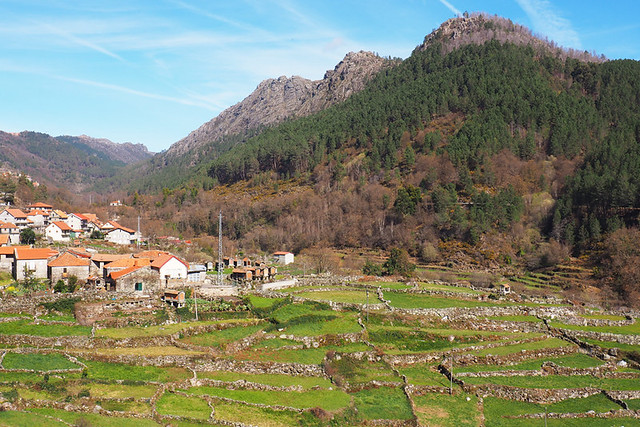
[[343, 296], [266, 417], [444, 410], [269, 379], [498, 410], [119, 371], [447, 288], [517, 348], [421, 374], [87, 419], [633, 329], [560, 382], [329, 400], [409, 301], [382, 403], [163, 330], [28, 327], [183, 406], [577, 361], [38, 362], [221, 338]]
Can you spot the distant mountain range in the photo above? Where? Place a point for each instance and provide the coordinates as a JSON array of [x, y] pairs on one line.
[[72, 162]]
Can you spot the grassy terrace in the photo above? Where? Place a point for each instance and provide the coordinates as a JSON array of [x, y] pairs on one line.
[[269, 379], [517, 348], [498, 412], [38, 362], [329, 400], [29, 327], [633, 329], [129, 389], [445, 288], [220, 339], [342, 296], [163, 330], [578, 361], [443, 410], [400, 300], [559, 382]]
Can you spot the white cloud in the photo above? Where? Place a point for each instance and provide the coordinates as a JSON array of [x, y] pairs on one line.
[[451, 7], [546, 20]]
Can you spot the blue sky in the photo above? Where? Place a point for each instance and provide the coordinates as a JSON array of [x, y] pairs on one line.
[[151, 71]]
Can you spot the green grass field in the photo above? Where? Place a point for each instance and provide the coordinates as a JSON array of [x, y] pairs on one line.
[[27, 327], [329, 400], [38, 362], [400, 300], [444, 410]]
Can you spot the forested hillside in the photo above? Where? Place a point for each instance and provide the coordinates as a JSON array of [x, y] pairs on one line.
[[511, 150]]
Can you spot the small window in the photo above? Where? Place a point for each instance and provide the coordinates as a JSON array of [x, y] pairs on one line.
[[138, 286], [64, 270]]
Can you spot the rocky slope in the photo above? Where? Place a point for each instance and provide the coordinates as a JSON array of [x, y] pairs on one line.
[[275, 100]]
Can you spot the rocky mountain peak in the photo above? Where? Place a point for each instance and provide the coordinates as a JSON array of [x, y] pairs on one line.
[[479, 28], [275, 100]]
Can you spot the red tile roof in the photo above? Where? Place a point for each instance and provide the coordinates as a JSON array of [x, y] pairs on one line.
[[7, 225], [118, 274], [62, 226], [69, 260], [163, 259], [16, 213], [129, 262], [9, 250], [82, 217], [34, 253], [40, 205]]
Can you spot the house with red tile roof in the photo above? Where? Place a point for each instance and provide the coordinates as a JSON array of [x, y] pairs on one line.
[[118, 234], [171, 268], [11, 230], [40, 206], [59, 231], [135, 280], [14, 216], [77, 221], [68, 264], [32, 261]]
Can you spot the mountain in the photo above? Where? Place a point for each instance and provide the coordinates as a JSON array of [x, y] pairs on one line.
[[74, 163], [273, 101], [127, 152], [487, 147]]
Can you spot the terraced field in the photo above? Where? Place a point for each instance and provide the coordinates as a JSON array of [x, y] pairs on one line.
[[329, 354]]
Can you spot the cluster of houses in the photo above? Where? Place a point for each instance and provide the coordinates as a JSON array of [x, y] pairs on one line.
[[245, 269], [147, 271], [59, 226]]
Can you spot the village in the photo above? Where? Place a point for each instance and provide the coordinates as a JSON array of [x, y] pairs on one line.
[[60, 257]]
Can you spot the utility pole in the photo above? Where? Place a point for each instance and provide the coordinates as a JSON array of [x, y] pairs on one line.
[[195, 300], [220, 267], [138, 239]]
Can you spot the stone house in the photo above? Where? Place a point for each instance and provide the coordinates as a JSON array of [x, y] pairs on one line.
[[133, 280], [67, 265], [98, 261], [32, 261]]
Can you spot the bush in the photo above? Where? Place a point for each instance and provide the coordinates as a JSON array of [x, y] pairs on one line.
[[370, 268]]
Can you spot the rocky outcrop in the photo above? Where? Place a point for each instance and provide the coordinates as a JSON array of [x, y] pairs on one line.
[[275, 100], [480, 28]]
